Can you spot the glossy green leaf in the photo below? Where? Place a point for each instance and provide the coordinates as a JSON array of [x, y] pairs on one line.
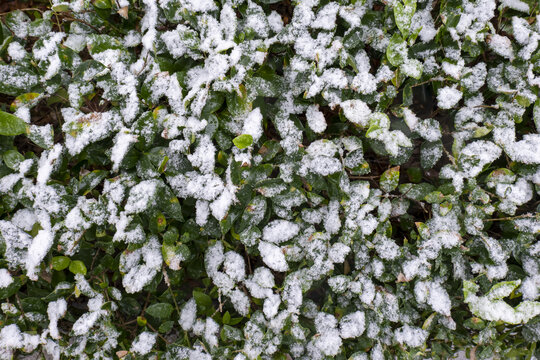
[[11, 125], [243, 141]]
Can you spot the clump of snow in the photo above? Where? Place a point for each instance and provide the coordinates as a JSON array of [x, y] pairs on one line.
[[315, 119], [144, 343], [273, 256], [448, 97], [356, 111], [5, 278]]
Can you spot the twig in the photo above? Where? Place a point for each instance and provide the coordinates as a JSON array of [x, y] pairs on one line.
[[511, 217]]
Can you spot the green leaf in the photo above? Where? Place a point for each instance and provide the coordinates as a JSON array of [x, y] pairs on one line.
[[202, 299], [403, 14], [160, 311], [416, 191], [226, 318], [77, 267], [11, 125], [12, 159], [389, 179], [11, 288], [166, 327], [16, 79], [102, 4], [24, 99], [396, 52], [243, 141], [59, 263]]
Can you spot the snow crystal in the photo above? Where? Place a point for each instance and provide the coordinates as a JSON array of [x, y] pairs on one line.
[[527, 150], [271, 306], [338, 252], [210, 332], [204, 155], [332, 222], [202, 211], [47, 162], [138, 275], [221, 205]]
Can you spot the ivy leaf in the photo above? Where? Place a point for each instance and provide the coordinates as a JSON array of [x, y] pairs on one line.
[[59, 263], [160, 311], [389, 179], [403, 14], [202, 299], [11, 125], [396, 52], [243, 141], [77, 267]]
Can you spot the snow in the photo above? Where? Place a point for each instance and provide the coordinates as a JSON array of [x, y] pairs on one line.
[[279, 231], [5, 278], [188, 315], [122, 143], [141, 197], [410, 335], [273, 256], [516, 5], [16, 51], [234, 266], [253, 124], [448, 97], [143, 344], [47, 163], [203, 157], [210, 332], [138, 274], [240, 302], [356, 111], [221, 205], [275, 21], [352, 325], [315, 119], [37, 251], [502, 46], [435, 295], [311, 210], [55, 310], [85, 322]]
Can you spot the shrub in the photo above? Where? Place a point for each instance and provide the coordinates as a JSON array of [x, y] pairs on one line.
[[269, 179]]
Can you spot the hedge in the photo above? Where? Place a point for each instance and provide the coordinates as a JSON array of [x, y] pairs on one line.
[[267, 179]]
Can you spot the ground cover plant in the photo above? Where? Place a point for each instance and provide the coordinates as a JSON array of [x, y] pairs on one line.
[[240, 179]]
